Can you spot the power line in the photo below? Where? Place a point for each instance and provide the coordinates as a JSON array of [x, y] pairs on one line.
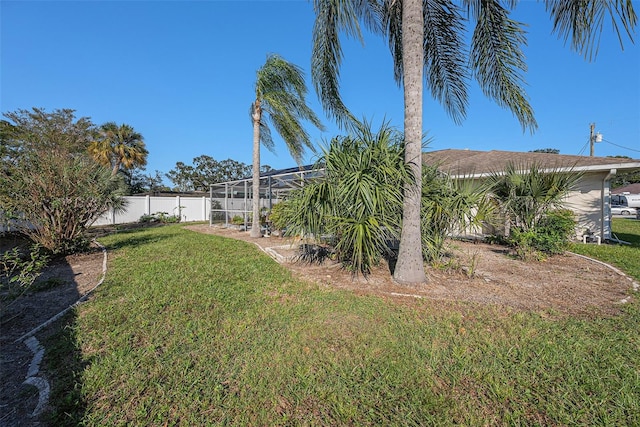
[[620, 146], [584, 147]]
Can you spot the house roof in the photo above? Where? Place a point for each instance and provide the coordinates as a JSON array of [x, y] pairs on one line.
[[631, 189], [472, 163]]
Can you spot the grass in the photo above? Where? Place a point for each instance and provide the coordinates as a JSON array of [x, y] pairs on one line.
[[625, 257], [193, 329]]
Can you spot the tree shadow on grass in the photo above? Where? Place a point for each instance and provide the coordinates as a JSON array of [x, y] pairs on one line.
[[26, 338]]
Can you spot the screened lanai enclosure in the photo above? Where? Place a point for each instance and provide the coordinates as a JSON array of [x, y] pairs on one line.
[[232, 201]]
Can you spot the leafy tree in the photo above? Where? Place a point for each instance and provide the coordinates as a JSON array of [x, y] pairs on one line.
[[9, 148], [206, 171], [30, 131], [280, 100], [429, 36], [625, 178], [182, 177], [52, 186], [119, 147], [137, 182], [358, 201], [546, 150], [230, 170]]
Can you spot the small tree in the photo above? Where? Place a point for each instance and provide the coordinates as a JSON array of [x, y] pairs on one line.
[[52, 184], [206, 171]]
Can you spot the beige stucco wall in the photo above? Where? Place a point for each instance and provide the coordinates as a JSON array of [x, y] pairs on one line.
[[586, 202]]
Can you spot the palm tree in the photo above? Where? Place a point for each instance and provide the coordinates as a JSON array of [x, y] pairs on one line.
[[358, 201], [428, 36], [280, 99], [526, 193], [119, 147]]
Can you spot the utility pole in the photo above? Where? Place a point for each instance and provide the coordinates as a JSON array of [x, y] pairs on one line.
[[593, 138]]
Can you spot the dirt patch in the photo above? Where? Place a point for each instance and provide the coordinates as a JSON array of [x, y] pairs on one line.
[[65, 281], [563, 284]]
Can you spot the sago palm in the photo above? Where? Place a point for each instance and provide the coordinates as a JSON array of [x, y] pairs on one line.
[[119, 147], [429, 36], [280, 100]]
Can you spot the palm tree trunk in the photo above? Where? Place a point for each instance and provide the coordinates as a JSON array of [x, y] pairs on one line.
[[410, 268], [255, 223]]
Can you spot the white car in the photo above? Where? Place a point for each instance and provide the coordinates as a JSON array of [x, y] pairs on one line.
[[622, 210]]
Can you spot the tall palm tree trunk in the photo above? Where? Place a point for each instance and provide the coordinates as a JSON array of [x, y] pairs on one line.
[[115, 169], [410, 267], [255, 223]]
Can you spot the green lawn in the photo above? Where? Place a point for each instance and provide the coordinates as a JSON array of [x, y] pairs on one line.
[[192, 329], [625, 257]]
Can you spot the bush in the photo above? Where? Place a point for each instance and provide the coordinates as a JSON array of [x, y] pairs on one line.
[[160, 217], [359, 200], [21, 268], [447, 207], [51, 181], [551, 236], [281, 215]]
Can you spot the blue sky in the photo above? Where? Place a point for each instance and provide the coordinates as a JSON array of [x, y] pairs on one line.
[[182, 74]]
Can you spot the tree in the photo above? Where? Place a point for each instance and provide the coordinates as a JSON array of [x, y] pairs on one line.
[[625, 178], [280, 100], [138, 182], [428, 36], [526, 193], [182, 177], [8, 145], [52, 185], [119, 147], [206, 171], [449, 206], [546, 150]]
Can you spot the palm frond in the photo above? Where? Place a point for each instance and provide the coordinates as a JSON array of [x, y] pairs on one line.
[[498, 61], [332, 18], [445, 56], [281, 91], [582, 22]]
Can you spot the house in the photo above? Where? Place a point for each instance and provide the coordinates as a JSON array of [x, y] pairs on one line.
[[589, 200], [631, 189]]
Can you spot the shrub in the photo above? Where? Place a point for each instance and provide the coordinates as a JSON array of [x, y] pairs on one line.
[[161, 217], [21, 268], [551, 236], [281, 215], [448, 206], [359, 200], [56, 188]]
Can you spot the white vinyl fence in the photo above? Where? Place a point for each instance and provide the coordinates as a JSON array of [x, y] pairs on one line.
[[189, 209]]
